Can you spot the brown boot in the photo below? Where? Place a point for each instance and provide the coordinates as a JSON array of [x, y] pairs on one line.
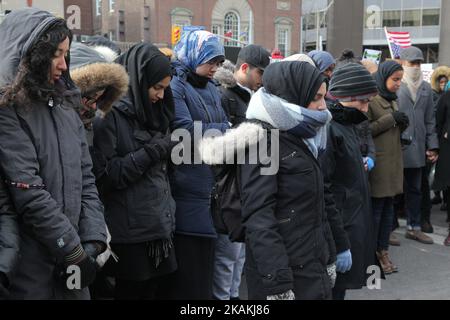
[[418, 236], [384, 261], [393, 266], [393, 240], [447, 240]]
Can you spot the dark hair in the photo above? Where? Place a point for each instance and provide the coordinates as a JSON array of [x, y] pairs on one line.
[[347, 56], [239, 64], [32, 80]]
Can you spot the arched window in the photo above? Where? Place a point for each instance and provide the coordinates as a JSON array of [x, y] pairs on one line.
[[231, 28]]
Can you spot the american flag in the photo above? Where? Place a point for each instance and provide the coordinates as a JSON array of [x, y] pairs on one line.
[[398, 41]]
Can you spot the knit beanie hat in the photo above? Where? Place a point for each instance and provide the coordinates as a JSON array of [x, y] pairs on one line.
[[352, 82], [322, 59]]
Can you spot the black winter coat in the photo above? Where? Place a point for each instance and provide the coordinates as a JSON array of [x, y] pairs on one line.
[[138, 202], [9, 233], [289, 242], [442, 174], [348, 204], [235, 102]]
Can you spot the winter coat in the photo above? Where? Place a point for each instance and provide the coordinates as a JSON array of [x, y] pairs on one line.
[[437, 92], [386, 179], [45, 157], [9, 233], [289, 242], [422, 128], [348, 201], [442, 174], [235, 99], [192, 183], [138, 203]]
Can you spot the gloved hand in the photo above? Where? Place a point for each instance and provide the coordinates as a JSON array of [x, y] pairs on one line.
[[368, 161], [401, 119], [344, 262], [93, 249], [159, 147], [289, 295], [4, 293], [331, 270], [88, 266]]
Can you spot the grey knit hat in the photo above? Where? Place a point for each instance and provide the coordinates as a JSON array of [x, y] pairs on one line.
[[351, 82]]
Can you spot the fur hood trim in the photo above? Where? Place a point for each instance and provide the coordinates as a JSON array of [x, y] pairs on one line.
[[225, 75], [223, 149], [440, 71], [97, 76]]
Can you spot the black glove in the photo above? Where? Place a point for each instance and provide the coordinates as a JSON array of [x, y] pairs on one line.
[[87, 264], [401, 119], [93, 249], [159, 147], [4, 293]]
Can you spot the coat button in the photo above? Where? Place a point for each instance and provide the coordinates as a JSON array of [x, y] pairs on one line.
[[292, 211], [269, 276]]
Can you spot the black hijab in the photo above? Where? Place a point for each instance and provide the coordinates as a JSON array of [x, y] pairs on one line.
[[147, 66], [294, 81], [386, 70]]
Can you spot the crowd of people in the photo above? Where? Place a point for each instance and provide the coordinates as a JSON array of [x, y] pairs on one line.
[[88, 178]]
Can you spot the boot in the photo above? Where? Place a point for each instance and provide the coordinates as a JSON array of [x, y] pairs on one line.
[[393, 240], [393, 266], [384, 261], [447, 240], [427, 227], [418, 236]]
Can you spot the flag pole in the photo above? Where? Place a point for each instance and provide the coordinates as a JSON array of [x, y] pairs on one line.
[[389, 43]]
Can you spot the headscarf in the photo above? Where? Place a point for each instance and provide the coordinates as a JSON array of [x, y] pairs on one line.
[[300, 57], [322, 59], [386, 70], [146, 66], [294, 81], [198, 47]]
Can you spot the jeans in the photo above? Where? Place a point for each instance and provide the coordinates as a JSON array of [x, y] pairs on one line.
[[228, 264], [383, 213], [413, 197]]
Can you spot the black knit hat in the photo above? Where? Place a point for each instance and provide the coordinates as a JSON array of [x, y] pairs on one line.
[[351, 82]]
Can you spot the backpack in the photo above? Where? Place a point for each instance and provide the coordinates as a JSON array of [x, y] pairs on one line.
[[226, 203]]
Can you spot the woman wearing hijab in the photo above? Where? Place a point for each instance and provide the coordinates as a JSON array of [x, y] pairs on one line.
[[199, 54], [386, 179], [288, 239], [134, 139]]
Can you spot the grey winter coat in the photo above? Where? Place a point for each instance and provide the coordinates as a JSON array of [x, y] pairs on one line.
[[421, 132], [46, 161]]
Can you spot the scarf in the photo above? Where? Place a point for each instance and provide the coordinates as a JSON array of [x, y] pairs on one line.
[[147, 66], [309, 125], [386, 70], [413, 78]]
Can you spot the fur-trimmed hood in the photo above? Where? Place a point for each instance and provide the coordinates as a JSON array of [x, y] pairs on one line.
[[91, 72], [440, 71], [225, 75], [223, 149]]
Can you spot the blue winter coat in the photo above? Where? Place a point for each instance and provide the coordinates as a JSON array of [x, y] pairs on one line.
[[192, 183]]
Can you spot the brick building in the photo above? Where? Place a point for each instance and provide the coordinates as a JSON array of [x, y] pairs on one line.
[[270, 23]]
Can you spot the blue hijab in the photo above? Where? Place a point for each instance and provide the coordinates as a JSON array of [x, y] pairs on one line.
[[198, 47]]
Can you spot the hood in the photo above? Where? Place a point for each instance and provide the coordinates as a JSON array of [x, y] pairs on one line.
[[16, 38], [440, 71], [91, 72], [223, 149], [100, 41], [225, 75], [109, 54]]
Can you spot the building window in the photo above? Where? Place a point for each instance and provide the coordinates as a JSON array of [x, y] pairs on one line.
[[112, 5], [231, 28], [181, 17], [215, 29], [392, 18], [431, 17], [411, 18], [98, 7], [283, 41]]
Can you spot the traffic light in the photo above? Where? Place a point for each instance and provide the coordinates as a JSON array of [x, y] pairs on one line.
[[176, 35]]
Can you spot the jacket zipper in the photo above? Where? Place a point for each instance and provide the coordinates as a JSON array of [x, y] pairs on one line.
[[284, 220], [292, 155]]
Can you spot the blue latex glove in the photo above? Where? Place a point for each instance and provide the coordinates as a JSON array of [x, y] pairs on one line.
[[370, 163], [344, 262]]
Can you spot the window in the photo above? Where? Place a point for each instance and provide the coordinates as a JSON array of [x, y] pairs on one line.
[[431, 17], [310, 21], [98, 7], [411, 18], [283, 40], [231, 28], [181, 17], [112, 5], [215, 29], [391, 18]]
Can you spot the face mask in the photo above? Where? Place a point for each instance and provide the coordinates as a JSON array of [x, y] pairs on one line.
[[413, 73]]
